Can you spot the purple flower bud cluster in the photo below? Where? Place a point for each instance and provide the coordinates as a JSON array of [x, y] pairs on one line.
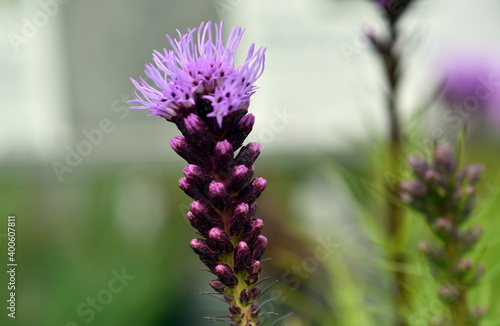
[[446, 196], [207, 98], [440, 188]]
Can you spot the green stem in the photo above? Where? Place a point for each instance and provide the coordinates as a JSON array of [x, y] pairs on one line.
[[459, 308], [394, 211], [245, 318]]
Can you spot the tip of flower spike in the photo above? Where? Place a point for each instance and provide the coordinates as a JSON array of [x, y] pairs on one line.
[[200, 66]]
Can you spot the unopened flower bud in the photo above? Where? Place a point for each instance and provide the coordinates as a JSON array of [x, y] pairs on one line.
[[247, 122], [414, 188], [254, 293], [463, 268], [471, 174], [444, 159], [253, 270], [259, 246], [226, 275], [448, 294], [419, 166], [435, 255], [185, 150], [252, 210], [195, 175], [239, 218], [194, 125], [406, 197], [223, 155], [198, 224], [469, 237], [241, 257], [438, 321], [256, 226], [201, 247], [432, 177], [253, 230], [245, 125], [219, 240], [245, 297], [255, 267], [478, 313], [254, 311], [195, 131], [218, 194], [235, 312], [248, 154], [218, 286], [443, 228], [190, 189], [470, 191], [216, 189], [251, 192], [252, 279], [240, 177], [204, 213]]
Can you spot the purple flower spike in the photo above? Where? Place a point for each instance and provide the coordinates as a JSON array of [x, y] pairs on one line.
[[445, 194], [197, 87]]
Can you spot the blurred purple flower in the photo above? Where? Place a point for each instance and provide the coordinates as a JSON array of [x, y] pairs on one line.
[[394, 7], [200, 67], [471, 81], [383, 3]]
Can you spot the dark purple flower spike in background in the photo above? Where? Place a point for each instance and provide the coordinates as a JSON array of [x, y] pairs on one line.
[[198, 87]]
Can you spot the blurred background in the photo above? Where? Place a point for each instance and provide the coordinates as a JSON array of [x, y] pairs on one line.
[[102, 234]]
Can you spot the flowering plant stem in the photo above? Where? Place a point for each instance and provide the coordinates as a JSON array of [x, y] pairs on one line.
[[394, 223], [199, 89], [459, 308], [446, 196]]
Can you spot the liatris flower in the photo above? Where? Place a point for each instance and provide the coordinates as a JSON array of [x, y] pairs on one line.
[[470, 84], [200, 90], [446, 196]]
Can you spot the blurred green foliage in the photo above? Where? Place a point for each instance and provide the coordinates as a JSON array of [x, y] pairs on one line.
[[73, 237]]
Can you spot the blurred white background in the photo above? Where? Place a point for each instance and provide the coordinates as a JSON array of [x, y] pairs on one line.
[[65, 67]]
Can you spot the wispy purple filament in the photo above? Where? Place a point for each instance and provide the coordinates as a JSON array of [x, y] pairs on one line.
[[200, 66]]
